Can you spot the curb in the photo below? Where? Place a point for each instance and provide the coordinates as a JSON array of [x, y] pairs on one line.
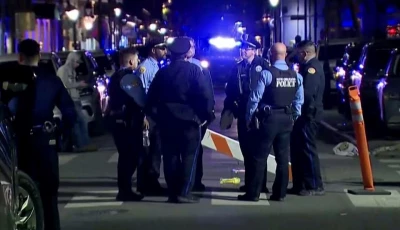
[[335, 136]]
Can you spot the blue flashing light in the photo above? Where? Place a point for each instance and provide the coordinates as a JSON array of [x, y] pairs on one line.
[[347, 23], [390, 9], [392, 22]]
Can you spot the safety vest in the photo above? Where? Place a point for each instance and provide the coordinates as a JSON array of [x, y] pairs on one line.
[[283, 88]]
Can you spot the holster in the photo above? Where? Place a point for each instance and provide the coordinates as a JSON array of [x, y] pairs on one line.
[[47, 129]]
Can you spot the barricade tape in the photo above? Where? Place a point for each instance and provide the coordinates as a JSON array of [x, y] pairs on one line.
[[231, 148]]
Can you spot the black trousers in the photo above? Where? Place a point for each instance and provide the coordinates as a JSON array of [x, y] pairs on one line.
[[246, 142], [304, 157], [150, 161], [199, 166], [180, 143], [274, 132], [129, 142], [39, 160]]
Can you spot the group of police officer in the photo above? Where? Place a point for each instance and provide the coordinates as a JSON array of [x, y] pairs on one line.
[[276, 108], [175, 104]]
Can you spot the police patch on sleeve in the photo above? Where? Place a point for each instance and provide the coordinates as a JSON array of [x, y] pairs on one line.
[[142, 69], [258, 68], [311, 70]]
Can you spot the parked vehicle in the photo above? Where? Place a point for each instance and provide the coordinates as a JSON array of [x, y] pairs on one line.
[[342, 74], [104, 61], [366, 75], [388, 90], [92, 97], [20, 203], [328, 53]]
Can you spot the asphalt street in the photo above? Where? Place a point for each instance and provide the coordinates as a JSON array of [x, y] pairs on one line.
[[88, 189]]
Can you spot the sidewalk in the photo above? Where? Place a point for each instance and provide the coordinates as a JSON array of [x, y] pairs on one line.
[[335, 129]]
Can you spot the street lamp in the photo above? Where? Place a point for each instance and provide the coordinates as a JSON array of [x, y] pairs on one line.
[[162, 31], [117, 12], [73, 15], [273, 3], [152, 27]]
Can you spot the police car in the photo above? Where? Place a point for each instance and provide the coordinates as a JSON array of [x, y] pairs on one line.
[[20, 203]]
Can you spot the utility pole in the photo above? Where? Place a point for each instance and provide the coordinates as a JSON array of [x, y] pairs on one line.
[[305, 19], [2, 28], [315, 21], [100, 25]]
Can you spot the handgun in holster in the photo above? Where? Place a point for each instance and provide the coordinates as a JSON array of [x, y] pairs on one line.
[[48, 128]]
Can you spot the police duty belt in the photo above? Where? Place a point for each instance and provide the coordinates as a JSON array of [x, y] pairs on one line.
[[267, 110], [47, 127]]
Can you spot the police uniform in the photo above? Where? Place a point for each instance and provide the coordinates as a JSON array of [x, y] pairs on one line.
[[241, 80], [304, 158], [125, 112], [183, 102], [151, 161], [198, 185], [276, 98], [35, 130]]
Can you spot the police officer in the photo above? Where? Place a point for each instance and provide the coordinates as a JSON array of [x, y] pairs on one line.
[[304, 158], [125, 112], [198, 185], [183, 104], [150, 163], [273, 103], [245, 74], [33, 106]]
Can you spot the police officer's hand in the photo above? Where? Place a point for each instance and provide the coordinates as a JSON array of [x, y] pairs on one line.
[[146, 124]]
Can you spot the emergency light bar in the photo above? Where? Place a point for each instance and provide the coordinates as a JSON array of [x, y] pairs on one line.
[[224, 43]]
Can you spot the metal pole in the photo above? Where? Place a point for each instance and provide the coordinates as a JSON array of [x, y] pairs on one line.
[[315, 21], [276, 24], [75, 45], [281, 20], [309, 20], [305, 19], [100, 26], [3, 16]]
